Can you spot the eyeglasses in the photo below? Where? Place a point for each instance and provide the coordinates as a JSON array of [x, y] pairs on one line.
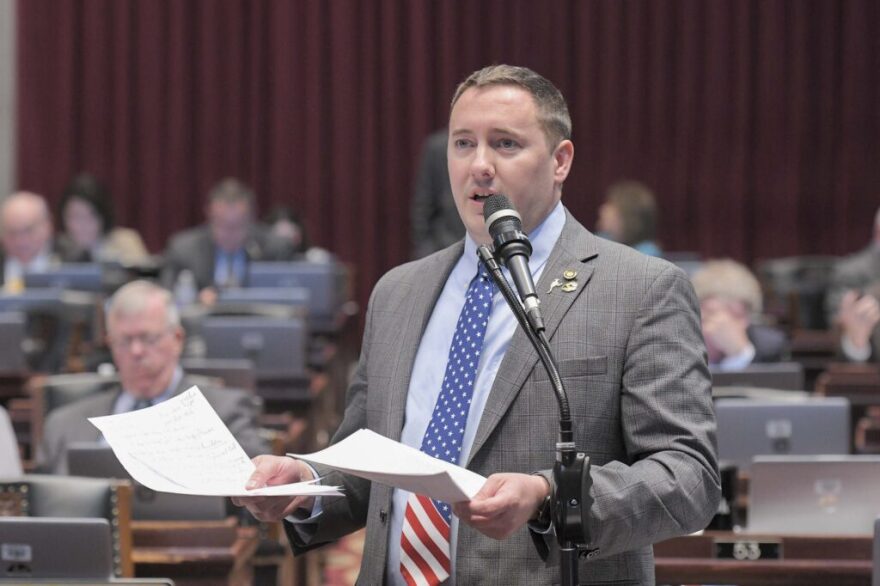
[[145, 340]]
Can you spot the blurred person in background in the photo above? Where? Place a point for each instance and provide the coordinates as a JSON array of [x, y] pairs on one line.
[[285, 224], [27, 235], [730, 301], [629, 216], [435, 220], [88, 232], [852, 300], [216, 254]]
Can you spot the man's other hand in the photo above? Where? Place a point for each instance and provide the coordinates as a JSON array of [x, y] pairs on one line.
[[504, 504], [271, 471]]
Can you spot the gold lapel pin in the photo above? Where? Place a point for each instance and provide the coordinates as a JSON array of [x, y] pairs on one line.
[[570, 286], [570, 274]]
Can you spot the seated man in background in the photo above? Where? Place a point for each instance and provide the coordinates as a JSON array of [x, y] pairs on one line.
[[629, 216], [26, 233], [730, 297], [853, 299], [146, 339], [217, 254]]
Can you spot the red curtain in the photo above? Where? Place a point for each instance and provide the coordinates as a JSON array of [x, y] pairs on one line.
[[757, 122]]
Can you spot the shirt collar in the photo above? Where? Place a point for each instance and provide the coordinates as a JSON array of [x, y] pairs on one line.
[[126, 400]]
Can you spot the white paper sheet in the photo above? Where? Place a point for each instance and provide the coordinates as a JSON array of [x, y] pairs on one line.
[[182, 446], [369, 455]]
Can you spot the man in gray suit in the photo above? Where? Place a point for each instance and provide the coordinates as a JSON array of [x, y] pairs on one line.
[[626, 333], [217, 254], [146, 340]]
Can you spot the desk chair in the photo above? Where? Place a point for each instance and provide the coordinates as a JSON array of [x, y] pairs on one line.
[[37, 495], [50, 392]]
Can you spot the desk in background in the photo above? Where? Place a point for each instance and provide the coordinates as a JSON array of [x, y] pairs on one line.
[[802, 560]]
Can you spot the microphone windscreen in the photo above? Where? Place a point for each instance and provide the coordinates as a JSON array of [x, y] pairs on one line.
[[495, 203]]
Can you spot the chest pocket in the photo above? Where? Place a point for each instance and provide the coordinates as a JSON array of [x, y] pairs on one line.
[[575, 367]]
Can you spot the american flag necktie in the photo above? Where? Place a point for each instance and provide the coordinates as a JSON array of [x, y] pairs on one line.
[[425, 557]]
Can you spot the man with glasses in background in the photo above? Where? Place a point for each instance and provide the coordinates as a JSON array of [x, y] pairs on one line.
[[146, 340]]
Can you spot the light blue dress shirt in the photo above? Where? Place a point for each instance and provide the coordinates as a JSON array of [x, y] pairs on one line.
[[230, 268], [430, 365]]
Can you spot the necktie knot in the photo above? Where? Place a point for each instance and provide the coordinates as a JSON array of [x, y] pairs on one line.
[[142, 404]]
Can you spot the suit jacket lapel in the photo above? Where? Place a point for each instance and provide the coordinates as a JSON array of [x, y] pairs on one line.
[[425, 291], [575, 247]]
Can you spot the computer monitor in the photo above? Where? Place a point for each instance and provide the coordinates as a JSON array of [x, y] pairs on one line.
[[13, 331], [95, 460], [297, 297], [277, 347], [32, 300], [835, 495], [325, 282], [52, 547], [755, 427], [787, 376], [78, 276]]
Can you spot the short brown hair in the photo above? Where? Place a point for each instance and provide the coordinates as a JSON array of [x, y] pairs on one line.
[[637, 208], [231, 190], [552, 110]]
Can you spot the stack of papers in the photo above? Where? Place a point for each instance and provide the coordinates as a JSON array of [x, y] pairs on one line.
[[182, 446]]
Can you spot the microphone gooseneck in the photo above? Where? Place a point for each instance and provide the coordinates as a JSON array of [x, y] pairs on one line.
[[570, 498]]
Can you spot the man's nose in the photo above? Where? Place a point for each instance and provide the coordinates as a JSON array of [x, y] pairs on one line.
[[483, 164]]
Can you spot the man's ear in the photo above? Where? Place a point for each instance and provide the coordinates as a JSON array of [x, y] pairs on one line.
[[563, 155]]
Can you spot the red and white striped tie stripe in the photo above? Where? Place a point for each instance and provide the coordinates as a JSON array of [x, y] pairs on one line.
[[424, 542]]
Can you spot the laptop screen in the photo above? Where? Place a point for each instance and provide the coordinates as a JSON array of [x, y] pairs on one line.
[[50, 547], [758, 427], [277, 347], [814, 494]]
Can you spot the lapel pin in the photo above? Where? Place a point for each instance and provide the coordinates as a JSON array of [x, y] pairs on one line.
[[570, 286], [570, 275]]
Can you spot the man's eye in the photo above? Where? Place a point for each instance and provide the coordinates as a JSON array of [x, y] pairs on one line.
[[462, 143], [507, 143]]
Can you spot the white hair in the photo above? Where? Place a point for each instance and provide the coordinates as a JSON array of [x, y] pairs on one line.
[[728, 279], [132, 298]]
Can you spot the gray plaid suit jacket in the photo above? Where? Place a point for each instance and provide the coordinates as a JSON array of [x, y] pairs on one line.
[[631, 353]]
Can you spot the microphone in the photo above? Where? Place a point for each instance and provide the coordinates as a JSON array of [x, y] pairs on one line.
[[513, 247]]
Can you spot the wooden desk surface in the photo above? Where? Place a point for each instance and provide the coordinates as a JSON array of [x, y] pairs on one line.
[[813, 560], [194, 552]]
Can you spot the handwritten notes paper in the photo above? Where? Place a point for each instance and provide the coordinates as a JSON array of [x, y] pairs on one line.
[[182, 446], [369, 455]]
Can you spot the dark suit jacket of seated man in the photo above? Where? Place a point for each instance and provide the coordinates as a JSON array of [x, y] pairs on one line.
[[626, 334], [217, 253]]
